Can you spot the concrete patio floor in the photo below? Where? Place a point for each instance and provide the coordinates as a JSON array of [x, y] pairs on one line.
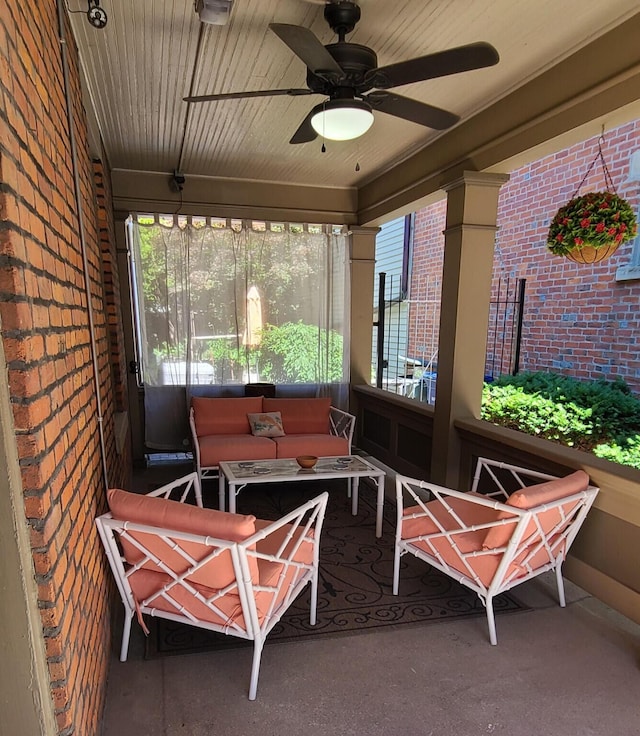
[[570, 672]]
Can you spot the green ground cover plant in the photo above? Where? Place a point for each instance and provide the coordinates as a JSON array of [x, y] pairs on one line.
[[602, 417]]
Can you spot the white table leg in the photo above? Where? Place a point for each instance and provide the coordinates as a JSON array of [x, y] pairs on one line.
[[233, 492], [220, 490], [354, 495], [380, 504]]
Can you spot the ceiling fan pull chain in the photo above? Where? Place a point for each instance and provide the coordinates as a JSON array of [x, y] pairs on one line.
[[324, 117]]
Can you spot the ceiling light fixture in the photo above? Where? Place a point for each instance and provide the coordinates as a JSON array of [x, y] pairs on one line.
[[341, 120], [216, 12]]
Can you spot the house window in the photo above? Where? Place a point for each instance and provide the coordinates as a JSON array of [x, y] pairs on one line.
[[631, 270]]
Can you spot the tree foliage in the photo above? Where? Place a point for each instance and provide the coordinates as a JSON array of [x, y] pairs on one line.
[[300, 353]]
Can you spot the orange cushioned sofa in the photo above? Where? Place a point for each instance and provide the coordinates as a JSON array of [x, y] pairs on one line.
[[259, 428]]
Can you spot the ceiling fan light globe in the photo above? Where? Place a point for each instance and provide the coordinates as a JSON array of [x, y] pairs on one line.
[[342, 120]]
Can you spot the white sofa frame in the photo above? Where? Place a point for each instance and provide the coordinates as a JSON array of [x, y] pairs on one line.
[[305, 525], [341, 424], [556, 542]]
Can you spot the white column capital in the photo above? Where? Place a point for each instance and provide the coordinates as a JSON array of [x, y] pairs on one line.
[[478, 179]]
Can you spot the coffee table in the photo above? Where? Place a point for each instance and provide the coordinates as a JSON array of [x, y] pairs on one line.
[[237, 475]]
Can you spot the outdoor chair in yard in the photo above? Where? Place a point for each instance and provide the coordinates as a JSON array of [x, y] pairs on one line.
[[224, 572], [515, 524]]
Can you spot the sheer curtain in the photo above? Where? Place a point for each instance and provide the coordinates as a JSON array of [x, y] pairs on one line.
[[221, 303]]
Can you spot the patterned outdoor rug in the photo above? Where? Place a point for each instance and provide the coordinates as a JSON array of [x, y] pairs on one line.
[[354, 592]]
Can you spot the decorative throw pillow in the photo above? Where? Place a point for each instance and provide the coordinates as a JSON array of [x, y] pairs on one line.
[[268, 424]]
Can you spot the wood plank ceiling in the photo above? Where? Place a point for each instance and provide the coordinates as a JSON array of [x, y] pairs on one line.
[[154, 52]]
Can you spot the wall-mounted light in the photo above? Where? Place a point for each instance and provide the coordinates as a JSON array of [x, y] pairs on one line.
[[341, 120], [96, 15]]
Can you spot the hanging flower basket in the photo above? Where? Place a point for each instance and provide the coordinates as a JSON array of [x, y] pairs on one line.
[[591, 227]]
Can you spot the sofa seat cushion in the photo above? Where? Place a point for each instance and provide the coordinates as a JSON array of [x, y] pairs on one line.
[[321, 445], [216, 448], [224, 415], [301, 416]]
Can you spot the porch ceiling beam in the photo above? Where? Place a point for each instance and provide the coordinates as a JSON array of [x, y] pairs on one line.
[[149, 191]]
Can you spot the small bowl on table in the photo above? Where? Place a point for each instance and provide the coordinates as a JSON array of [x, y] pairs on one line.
[[306, 461]]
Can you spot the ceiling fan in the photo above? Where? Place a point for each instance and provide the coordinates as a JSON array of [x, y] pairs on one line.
[[349, 76]]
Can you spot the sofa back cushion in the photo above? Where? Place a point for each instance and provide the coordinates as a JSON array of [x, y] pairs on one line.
[[532, 496], [224, 415], [301, 416], [174, 516]]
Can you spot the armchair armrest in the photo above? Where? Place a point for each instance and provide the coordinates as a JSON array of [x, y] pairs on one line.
[[286, 556], [342, 424], [195, 445]]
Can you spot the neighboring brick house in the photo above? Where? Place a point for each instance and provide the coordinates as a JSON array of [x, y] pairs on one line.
[[579, 320]]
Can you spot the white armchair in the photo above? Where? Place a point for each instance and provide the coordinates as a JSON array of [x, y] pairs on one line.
[[503, 533], [225, 572]]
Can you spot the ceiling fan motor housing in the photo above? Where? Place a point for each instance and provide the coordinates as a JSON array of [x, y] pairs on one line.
[[355, 61]]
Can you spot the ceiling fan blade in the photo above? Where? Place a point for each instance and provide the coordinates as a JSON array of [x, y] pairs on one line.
[[416, 112], [305, 133], [452, 61], [243, 95], [307, 47]]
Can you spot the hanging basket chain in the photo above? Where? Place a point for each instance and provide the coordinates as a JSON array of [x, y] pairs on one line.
[[590, 227], [607, 176]]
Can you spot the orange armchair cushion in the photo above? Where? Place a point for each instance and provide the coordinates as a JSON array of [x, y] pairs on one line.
[[180, 517], [224, 415], [528, 498], [301, 416], [149, 584], [482, 566]]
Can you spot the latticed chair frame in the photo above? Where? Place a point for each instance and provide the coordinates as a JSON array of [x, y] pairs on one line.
[[204, 472], [520, 557], [300, 526], [342, 424]]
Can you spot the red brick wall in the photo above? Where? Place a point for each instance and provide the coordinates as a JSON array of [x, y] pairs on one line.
[[44, 320], [114, 372], [111, 284], [578, 320]]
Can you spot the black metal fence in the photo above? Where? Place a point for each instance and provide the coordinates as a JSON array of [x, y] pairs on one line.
[[405, 347]]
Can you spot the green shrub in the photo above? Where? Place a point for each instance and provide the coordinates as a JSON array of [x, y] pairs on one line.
[[625, 453], [581, 414]]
